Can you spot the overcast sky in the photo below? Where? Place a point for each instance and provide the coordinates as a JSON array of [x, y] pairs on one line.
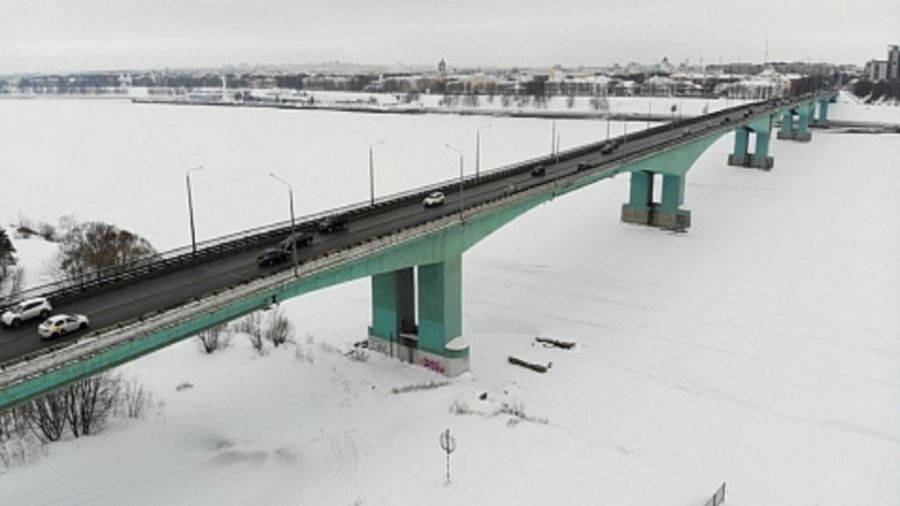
[[62, 35]]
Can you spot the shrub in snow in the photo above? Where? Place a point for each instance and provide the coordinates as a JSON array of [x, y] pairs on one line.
[[251, 325], [47, 231], [460, 408], [279, 329], [420, 386], [301, 355], [215, 338], [136, 400]]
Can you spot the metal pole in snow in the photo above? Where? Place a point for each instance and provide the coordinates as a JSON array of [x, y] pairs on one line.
[[187, 178]]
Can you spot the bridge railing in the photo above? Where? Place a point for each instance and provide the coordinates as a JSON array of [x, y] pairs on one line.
[[184, 256]]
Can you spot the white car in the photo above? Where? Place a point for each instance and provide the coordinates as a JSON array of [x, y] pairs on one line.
[[26, 310], [60, 324], [434, 200]]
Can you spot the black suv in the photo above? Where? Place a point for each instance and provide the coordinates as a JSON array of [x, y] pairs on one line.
[[333, 224], [538, 171], [300, 239], [607, 148], [272, 256], [582, 167]]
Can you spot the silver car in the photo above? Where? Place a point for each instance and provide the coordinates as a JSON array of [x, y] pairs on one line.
[[60, 324]]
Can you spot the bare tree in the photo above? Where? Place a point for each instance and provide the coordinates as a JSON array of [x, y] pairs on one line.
[[91, 401], [17, 443], [88, 247], [10, 274], [279, 329], [46, 416]]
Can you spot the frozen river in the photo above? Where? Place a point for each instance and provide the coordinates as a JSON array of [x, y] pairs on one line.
[[759, 349]]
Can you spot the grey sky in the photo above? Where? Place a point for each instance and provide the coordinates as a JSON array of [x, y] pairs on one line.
[[42, 35]]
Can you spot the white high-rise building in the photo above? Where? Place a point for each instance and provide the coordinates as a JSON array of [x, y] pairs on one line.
[[893, 62]]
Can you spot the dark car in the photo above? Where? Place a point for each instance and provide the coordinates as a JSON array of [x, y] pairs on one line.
[[607, 148], [273, 256], [333, 224], [538, 171], [582, 167], [300, 239]]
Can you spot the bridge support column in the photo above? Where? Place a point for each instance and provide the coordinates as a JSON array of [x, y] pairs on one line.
[[822, 118], [393, 304], [640, 201], [641, 210], [787, 125], [741, 141], [801, 132], [759, 159], [668, 214], [434, 343]]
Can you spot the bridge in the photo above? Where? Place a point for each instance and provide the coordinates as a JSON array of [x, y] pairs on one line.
[[412, 254]]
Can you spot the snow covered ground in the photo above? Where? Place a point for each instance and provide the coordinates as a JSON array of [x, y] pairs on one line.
[[760, 348]]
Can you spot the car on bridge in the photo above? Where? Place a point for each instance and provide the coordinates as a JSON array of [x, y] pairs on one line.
[[607, 148], [582, 167], [434, 199], [272, 256], [299, 239], [60, 324], [38, 307], [331, 224], [538, 171]]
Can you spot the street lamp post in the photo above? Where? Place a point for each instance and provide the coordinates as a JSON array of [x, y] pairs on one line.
[[607, 127], [372, 172], [293, 224], [460, 179], [558, 140], [553, 139], [187, 179], [478, 150]]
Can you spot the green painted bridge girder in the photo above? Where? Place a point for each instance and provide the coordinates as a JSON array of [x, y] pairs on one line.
[[675, 161]]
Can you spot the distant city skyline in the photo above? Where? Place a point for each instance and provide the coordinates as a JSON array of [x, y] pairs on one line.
[[45, 36]]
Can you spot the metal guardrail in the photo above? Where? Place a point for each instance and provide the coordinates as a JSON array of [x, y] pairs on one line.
[[184, 256]]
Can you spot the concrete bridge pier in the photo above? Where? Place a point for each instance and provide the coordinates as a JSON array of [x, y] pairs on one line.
[[666, 214], [800, 131], [432, 340], [760, 158], [822, 118]]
